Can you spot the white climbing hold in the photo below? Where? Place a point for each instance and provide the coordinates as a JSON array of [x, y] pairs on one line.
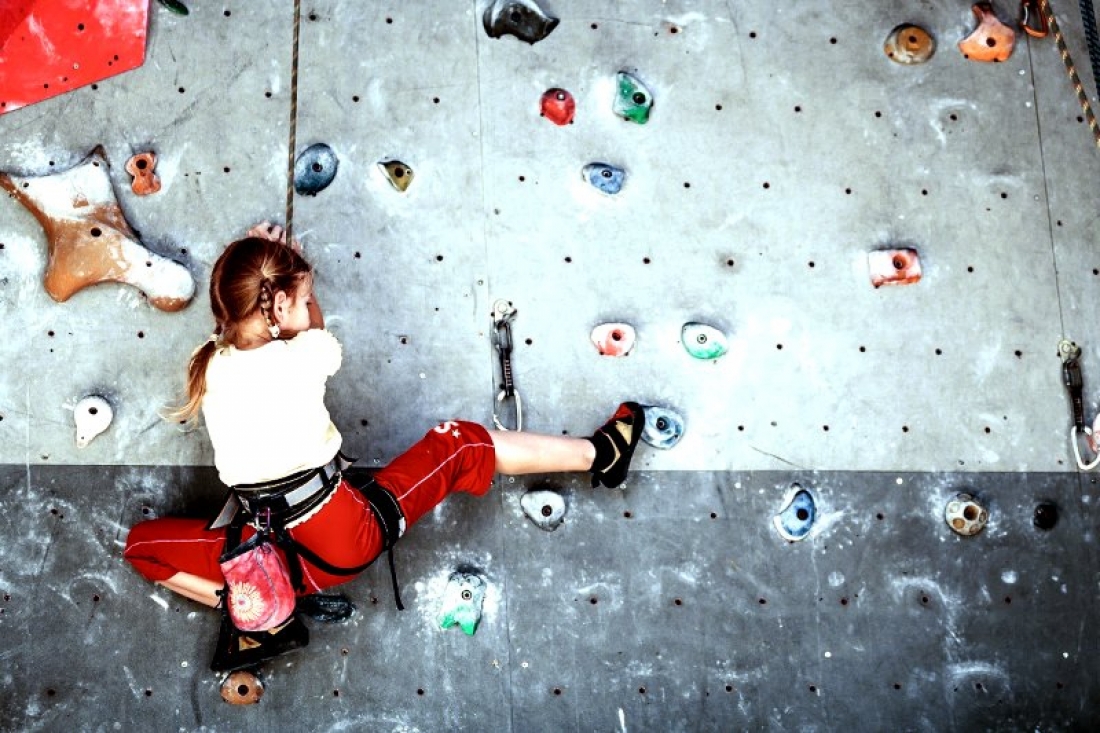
[[545, 508], [92, 415]]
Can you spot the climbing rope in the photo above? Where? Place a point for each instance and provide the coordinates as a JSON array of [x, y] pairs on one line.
[[1067, 61], [293, 124]]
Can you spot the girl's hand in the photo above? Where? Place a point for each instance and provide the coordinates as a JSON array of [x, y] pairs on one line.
[[274, 233]]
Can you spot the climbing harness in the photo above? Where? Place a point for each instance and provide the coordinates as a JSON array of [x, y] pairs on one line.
[[1049, 21], [275, 507], [1070, 354], [503, 314]]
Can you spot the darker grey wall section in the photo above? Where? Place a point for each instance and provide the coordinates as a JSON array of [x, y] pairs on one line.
[[671, 605]]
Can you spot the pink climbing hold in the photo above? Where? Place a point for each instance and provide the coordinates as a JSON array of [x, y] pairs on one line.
[[614, 339], [558, 106]]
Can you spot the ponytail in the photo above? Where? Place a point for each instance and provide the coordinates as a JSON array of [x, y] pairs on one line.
[[196, 383]]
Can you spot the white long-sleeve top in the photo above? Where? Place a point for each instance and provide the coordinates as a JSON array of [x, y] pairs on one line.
[[265, 408]]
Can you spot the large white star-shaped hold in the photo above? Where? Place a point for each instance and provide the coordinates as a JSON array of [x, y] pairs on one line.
[[90, 241]]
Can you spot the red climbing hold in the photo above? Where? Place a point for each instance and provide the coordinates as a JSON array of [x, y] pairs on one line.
[[49, 48], [558, 106]]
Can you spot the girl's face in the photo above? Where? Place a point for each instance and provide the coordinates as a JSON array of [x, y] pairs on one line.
[[292, 311]]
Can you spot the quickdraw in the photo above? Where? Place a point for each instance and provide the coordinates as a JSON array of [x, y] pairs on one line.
[[503, 314], [1070, 353]]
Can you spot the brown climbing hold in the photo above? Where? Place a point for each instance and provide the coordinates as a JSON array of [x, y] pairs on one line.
[[909, 44], [90, 241], [141, 168], [992, 40], [242, 688]]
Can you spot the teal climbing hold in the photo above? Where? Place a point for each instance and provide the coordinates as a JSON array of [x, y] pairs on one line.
[[462, 601], [703, 341], [633, 101]]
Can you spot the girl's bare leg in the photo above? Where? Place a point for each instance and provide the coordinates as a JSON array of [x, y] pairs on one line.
[[520, 453], [193, 587]]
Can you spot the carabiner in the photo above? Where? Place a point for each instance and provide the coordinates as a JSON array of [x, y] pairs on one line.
[[503, 313], [1074, 383], [1028, 10]]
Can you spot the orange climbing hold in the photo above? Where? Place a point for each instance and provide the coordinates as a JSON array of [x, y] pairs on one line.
[[141, 168], [89, 239], [992, 40], [242, 688], [49, 48], [894, 267], [909, 44]]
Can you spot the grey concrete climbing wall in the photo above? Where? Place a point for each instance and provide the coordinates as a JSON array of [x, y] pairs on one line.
[[783, 147]]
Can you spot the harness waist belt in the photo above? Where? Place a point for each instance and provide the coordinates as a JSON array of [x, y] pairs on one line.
[[294, 495], [287, 498]]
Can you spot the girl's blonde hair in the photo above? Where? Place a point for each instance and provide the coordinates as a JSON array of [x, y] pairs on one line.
[[244, 280]]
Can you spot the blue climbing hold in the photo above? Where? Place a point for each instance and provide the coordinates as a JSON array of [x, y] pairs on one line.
[[796, 519], [314, 169], [605, 177], [663, 427]]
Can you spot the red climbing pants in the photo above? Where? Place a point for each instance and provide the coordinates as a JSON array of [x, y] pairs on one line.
[[454, 456]]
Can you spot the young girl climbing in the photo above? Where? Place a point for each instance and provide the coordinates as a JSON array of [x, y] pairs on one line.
[[259, 383]]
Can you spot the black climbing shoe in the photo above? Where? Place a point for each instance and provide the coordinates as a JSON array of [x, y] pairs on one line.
[[615, 443], [324, 607], [238, 649]]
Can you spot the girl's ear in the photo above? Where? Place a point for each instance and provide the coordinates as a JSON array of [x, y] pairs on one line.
[[280, 306]]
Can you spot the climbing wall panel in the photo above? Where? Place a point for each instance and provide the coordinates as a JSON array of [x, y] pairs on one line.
[[215, 114], [408, 287], [753, 206], [783, 147]]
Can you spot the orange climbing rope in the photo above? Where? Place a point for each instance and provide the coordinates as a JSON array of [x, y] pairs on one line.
[[1067, 61]]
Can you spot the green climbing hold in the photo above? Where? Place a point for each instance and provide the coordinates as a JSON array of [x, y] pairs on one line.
[[462, 601], [175, 6], [633, 101]]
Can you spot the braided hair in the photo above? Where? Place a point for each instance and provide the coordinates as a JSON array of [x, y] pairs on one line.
[[244, 280]]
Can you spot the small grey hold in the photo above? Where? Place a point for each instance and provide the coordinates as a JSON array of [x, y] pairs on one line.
[[545, 508]]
